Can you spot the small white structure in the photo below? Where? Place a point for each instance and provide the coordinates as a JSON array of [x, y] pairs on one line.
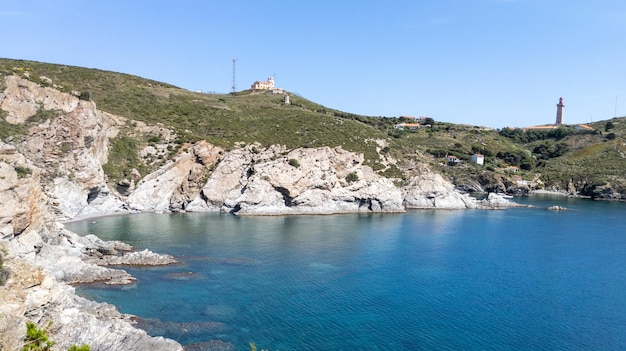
[[410, 126], [478, 159], [452, 160]]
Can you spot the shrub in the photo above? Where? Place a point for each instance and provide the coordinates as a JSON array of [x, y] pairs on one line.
[[154, 139], [38, 340], [85, 95], [123, 157], [66, 147], [526, 166], [352, 177], [22, 171], [294, 163], [4, 273]]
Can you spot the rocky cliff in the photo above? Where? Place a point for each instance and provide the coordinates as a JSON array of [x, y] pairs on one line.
[[43, 258], [70, 145], [55, 172]]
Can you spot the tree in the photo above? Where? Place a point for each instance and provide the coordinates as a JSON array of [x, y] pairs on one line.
[[36, 339], [609, 125], [85, 95], [429, 121]]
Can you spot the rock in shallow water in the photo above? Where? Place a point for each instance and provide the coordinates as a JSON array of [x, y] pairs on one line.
[[211, 345]]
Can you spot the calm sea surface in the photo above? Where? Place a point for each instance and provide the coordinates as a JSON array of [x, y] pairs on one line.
[[518, 279]]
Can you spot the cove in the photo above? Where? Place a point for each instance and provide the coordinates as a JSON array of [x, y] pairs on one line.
[[516, 279]]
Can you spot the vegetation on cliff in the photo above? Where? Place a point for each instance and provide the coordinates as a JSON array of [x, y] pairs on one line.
[[588, 160], [37, 339], [4, 273]]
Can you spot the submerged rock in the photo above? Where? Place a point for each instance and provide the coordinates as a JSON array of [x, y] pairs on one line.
[[495, 201], [557, 208], [210, 345]]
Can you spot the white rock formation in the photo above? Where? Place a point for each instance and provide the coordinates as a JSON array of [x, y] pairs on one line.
[[23, 98], [303, 181], [171, 186], [430, 190], [43, 258], [70, 148], [35, 296]]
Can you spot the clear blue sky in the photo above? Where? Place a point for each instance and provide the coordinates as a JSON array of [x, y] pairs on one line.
[[494, 63]]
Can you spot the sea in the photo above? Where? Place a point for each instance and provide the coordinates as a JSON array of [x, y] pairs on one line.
[[515, 279]]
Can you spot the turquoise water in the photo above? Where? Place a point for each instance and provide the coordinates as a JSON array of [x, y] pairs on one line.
[[519, 279]]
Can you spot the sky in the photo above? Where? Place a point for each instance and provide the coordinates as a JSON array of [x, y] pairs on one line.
[[494, 63]]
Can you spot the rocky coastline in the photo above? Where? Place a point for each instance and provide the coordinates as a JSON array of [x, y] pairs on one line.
[[56, 174]]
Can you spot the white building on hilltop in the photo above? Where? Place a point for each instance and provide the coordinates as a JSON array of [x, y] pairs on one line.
[[478, 159], [269, 85]]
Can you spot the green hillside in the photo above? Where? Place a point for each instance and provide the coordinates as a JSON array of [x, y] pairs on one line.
[[589, 157]]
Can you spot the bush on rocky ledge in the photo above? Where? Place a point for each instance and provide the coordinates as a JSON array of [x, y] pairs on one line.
[[4, 273], [37, 339]]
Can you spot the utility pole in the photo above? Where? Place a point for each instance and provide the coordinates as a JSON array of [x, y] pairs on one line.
[[234, 81]]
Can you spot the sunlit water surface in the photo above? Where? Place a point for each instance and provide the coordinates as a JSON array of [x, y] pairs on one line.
[[518, 279]]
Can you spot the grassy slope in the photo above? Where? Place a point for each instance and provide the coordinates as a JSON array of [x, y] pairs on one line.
[[220, 119], [261, 117]]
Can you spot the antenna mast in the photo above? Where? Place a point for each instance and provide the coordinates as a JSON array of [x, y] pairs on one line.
[[234, 81]]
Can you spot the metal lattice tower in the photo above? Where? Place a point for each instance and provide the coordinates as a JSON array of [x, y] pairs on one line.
[[234, 81]]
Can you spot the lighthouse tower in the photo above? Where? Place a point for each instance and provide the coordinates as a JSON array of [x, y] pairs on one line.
[[559, 111]]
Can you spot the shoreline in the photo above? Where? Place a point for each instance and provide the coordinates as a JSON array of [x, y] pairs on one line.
[[478, 204], [94, 216], [551, 192]]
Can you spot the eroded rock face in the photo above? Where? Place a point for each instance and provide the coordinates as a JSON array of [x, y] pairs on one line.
[[275, 181], [69, 149], [35, 296], [430, 190], [175, 184], [43, 257], [21, 199], [23, 98]]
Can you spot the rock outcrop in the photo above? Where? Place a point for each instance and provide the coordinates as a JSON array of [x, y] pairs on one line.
[[275, 181], [31, 294], [173, 186], [430, 190], [43, 258], [69, 145]]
